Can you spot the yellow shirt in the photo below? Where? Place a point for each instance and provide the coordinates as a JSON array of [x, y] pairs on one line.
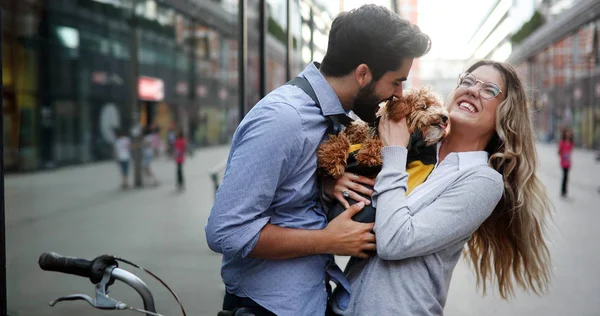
[[417, 170], [417, 174]]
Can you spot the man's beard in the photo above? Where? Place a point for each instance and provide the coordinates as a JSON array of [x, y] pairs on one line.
[[366, 103]]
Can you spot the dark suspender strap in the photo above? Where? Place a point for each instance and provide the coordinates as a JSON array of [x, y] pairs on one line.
[[303, 84], [342, 119]]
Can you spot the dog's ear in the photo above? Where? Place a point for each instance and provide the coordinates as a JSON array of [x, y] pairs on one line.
[[370, 153], [399, 108], [332, 155]]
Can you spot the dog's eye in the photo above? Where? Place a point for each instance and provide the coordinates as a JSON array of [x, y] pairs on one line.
[[424, 106]]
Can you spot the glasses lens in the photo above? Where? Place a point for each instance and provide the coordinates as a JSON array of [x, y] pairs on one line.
[[466, 80], [489, 91]]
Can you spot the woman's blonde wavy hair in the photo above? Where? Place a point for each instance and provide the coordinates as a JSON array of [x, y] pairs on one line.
[[509, 247]]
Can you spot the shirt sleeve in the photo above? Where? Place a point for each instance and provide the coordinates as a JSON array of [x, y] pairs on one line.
[[264, 151], [454, 215]]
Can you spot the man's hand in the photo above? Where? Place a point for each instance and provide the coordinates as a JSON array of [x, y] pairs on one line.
[[345, 237]]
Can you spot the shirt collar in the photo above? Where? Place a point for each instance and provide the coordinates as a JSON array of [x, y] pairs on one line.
[[466, 160], [330, 103]]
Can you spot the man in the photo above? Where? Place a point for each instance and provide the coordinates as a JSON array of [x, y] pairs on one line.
[[267, 219]]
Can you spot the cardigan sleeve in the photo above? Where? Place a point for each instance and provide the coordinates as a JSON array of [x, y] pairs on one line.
[[454, 215]]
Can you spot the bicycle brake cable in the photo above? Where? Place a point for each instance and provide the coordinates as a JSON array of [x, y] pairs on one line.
[[157, 278], [133, 309]]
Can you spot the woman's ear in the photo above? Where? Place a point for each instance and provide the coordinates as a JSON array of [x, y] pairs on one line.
[[363, 75]]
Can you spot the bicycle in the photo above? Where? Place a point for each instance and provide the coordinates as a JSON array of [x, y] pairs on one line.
[[102, 272]]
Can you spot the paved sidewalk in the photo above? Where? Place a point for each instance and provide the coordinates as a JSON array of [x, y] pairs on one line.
[[44, 193], [81, 211]]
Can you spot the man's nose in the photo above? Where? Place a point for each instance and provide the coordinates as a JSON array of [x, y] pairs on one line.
[[398, 92]]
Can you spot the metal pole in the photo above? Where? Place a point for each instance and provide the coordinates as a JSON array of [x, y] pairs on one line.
[[289, 43], [3, 307], [395, 6], [311, 26], [135, 105], [242, 56], [590, 96], [262, 47]]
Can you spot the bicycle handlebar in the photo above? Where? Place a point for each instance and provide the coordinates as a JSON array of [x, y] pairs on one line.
[[138, 285], [50, 261], [94, 269], [102, 271]]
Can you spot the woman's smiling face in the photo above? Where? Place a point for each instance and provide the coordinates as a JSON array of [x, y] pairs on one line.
[[476, 99]]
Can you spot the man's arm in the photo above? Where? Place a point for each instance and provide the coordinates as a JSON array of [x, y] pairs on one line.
[[262, 155], [343, 236]]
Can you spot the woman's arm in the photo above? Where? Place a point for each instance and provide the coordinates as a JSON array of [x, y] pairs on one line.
[[454, 215]]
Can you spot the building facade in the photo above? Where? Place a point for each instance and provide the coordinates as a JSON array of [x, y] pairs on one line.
[[75, 70], [492, 39], [560, 64]]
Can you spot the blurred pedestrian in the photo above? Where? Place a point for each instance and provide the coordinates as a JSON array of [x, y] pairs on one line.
[[148, 155], [156, 140], [122, 148], [171, 136], [598, 160], [180, 147], [565, 150]]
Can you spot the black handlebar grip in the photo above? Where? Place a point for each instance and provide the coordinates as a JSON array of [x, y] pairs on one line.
[[50, 261]]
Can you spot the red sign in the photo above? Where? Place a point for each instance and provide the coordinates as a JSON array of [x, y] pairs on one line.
[[151, 89]]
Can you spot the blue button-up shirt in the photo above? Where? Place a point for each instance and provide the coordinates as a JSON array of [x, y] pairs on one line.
[[271, 178]]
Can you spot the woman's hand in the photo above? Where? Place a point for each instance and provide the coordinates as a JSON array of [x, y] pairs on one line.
[[350, 183], [393, 133]]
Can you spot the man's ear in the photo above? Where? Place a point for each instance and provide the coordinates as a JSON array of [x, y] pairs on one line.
[[363, 75]]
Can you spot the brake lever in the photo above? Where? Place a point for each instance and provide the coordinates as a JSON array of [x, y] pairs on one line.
[[73, 297], [102, 301]]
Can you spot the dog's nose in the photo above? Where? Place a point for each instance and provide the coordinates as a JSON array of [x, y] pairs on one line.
[[444, 118]]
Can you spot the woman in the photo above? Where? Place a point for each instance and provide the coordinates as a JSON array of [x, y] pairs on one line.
[[148, 155], [122, 148], [483, 192], [180, 147], [565, 149]]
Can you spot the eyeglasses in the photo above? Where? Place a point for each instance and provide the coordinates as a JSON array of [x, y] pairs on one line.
[[489, 90]]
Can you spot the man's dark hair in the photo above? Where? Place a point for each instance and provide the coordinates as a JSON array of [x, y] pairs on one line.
[[375, 36]]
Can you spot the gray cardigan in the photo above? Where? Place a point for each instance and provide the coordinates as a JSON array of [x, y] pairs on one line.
[[420, 237]]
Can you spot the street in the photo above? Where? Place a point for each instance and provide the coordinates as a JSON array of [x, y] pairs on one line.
[[80, 211]]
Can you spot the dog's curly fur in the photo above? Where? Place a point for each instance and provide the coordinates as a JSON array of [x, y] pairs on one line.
[[423, 111]]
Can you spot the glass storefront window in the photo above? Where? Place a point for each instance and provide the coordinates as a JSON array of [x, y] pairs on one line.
[[20, 55]]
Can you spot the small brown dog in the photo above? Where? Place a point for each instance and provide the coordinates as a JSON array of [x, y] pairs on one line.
[[357, 148], [423, 111]]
